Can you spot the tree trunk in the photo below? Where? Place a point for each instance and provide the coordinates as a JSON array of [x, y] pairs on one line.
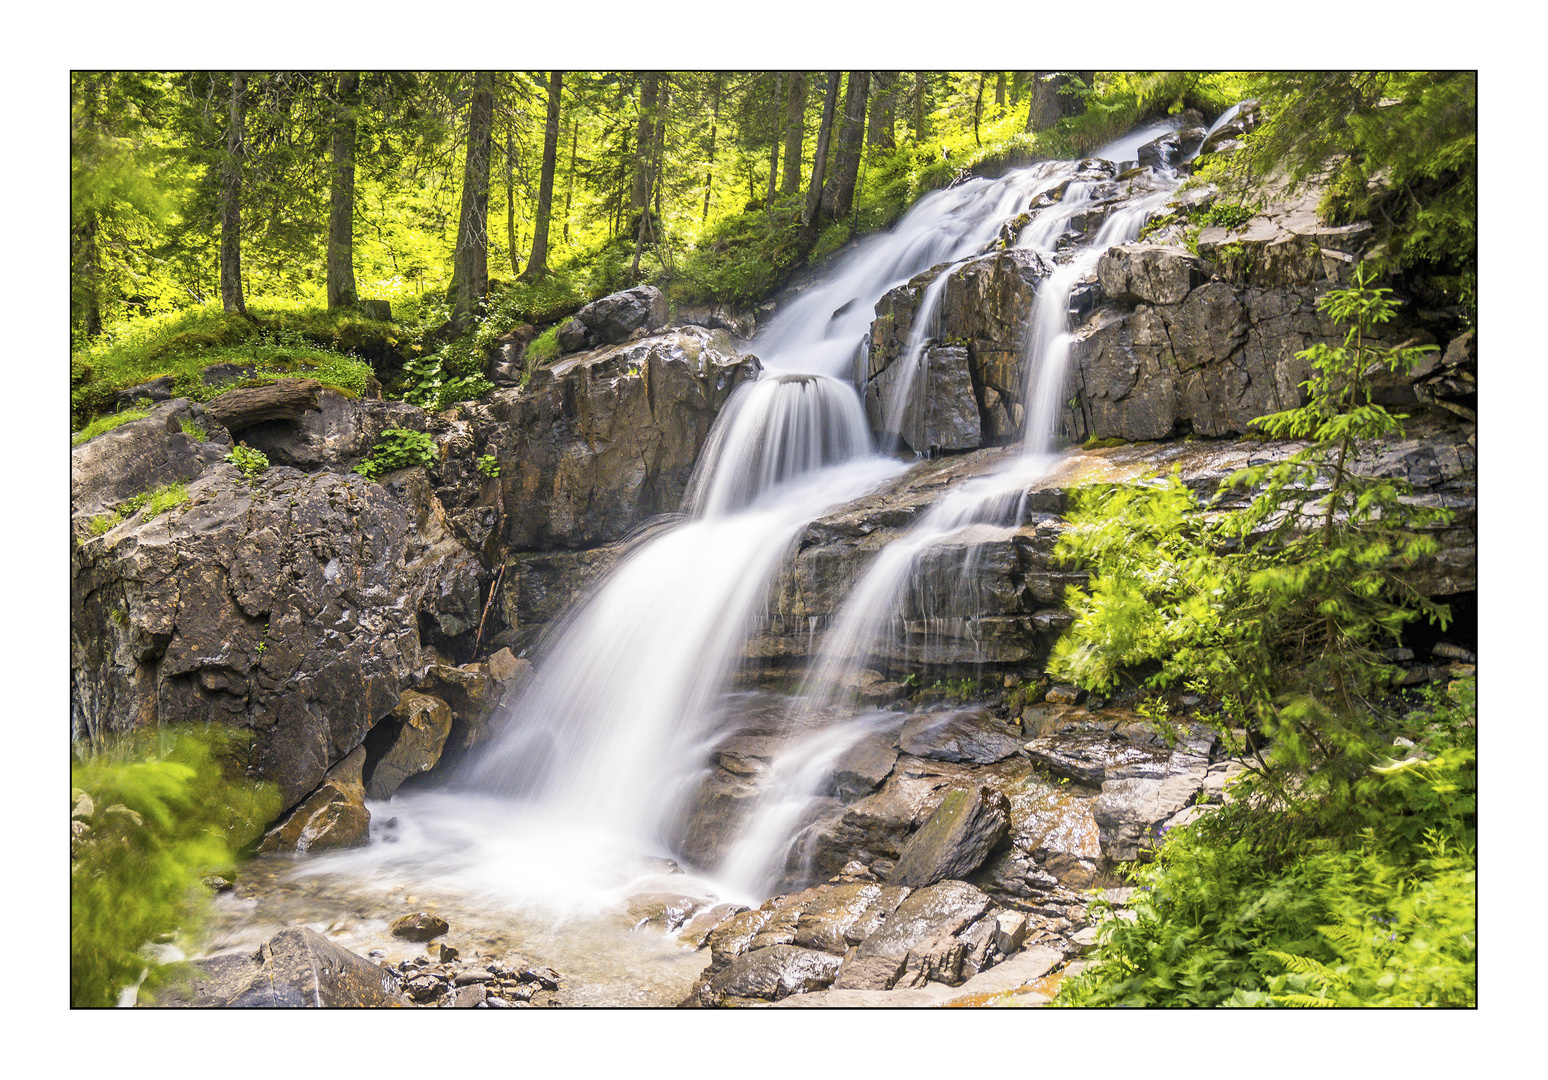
[[341, 196], [470, 273], [231, 201], [639, 191], [537, 265], [795, 130], [569, 181], [921, 117], [879, 131], [709, 163], [774, 145], [1050, 100], [86, 268], [810, 219], [655, 136], [978, 106], [510, 196], [839, 194], [999, 94]]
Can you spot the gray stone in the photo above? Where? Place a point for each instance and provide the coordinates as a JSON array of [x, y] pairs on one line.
[[956, 840], [920, 930], [972, 736], [296, 968]]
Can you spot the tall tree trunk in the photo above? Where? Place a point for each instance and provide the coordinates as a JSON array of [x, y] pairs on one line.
[[810, 219], [978, 106], [839, 193], [569, 180], [879, 132], [341, 196], [639, 191], [510, 195], [231, 200], [795, 130], [709, 163], [86, 254], [537, 265], [774, 145], [999, 94], [655, 137], [1053, 98], [921, 117], [470, 273]]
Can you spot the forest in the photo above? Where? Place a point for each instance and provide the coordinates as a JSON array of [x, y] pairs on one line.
[[398, 236]]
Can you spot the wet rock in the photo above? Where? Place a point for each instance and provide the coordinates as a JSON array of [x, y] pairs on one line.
[[771, 974], [1150, 274], [296, 968], [863, 766], [973, 736], [660, 911], [1065, 695], [413, 739], [955, 841], [420, 926], [614, 318], [333, 816], [696, 931], [921, 930], [1090, 757], [845, 916]]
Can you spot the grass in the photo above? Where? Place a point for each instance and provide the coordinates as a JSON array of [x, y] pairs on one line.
[[153, 502], [107, 423], [278, 338]]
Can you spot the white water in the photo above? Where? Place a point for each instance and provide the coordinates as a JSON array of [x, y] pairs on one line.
[[594, 761]]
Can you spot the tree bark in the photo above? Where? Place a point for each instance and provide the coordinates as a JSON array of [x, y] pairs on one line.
[[795, 130], [231, 201], [709, 163], [470, 273], [879, 131], [1050, 102], [812, 215], [978, 106], [839, 193], [510, 195], [569, 182], [537, 264], [341, 196], [639, 191], [921, 117], [774, 144], [656, 137]]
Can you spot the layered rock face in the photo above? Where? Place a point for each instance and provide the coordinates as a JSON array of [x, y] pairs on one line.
[[305, 602]]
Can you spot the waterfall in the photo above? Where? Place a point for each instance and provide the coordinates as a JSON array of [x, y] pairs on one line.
[[595, 761]]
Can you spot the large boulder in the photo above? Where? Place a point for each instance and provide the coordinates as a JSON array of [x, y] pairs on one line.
[[161, 448], [412, 741], [297, 968], [288, 604], [923, 940], [959, 836], [599, 442], [333, 816], [616, 318]]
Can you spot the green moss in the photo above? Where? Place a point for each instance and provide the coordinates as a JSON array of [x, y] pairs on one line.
[[1103, 444], [107, 423]]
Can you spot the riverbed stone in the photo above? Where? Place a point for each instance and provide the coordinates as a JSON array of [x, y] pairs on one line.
[[333, 816], [419, 926], [296, 968], [414, 737], [846, 915], [972, 736], [772, 974], [921, 928]]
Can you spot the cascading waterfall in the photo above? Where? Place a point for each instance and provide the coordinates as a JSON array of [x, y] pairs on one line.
[[871, 612], [595, 760]]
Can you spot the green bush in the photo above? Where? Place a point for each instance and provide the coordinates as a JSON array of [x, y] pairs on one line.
[[398, 448], [154, 502], [251, 462], [152, 814]]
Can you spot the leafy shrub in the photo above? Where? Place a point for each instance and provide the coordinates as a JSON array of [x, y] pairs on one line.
[[153, 813], [544, 347], [251, 462], [489, 466], [398, 448]]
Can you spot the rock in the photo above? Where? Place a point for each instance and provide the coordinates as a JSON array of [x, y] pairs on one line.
[[614, 318], [1150, 274], [598, 443], [572, 335], [289, 604], [338, 434], [771, 974], [1090, 757], [333, 816], [157, 390], [141, 455], [973, 736], [661, 911], [862, 767], [411, 741], [296, 968], [420, 926], [919, 932], [845, 916], [956, 840], [1065, 695]]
